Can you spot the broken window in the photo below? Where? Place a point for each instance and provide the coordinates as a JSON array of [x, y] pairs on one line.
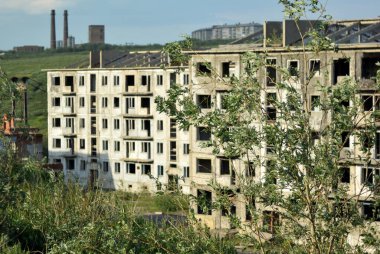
[[315, 68], [116, 80], [56, 102], [224, 167], [345, 172], [159, 80], [173, 150], [145, 102], [370, 176], [369, 65], [204, 101], [315, 103], [204, 69], [204, 166], [145, 80], [130, 168], [346, 139], [69, 81], [226, 69], [57, 122], [129, 80], [70, 164], [116, 102], [271, 110], [271, 72], [117, 167], [367, 101], [203, 134], [92, 83], [146, 169], [56, 81], [293, 68], [341, 68], [371, 211]]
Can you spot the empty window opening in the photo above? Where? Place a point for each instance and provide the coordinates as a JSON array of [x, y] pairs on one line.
[[204, 166], [345, 172], [367, 101], [369, 65], [224, 167], [315, 68], [129, 80], [203, 134], [341, 68], [204, 69], [226, 69], [271, 72], [204, 101], [293, 68]]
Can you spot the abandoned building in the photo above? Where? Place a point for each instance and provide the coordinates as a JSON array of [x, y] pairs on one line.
[[226, 32], [104, 127]]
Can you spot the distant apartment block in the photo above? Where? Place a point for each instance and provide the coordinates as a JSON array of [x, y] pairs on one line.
[[226, 32], [29, 49], [96, 34]]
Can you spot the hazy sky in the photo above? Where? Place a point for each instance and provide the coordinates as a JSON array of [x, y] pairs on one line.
[[27, 22]]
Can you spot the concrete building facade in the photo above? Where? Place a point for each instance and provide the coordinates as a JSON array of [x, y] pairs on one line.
[[105, 130]]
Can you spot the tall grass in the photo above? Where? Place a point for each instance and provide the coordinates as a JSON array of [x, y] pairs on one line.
[[43, 214]]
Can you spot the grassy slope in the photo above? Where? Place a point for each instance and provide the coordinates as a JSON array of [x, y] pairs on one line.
[[31, 66]]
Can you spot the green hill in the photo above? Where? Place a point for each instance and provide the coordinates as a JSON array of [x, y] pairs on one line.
[[31, 65]]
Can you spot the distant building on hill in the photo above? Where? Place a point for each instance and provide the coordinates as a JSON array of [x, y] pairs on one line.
[[96, 34], [29, 48], [225, 32]]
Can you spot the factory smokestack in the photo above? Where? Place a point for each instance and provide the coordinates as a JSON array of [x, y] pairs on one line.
[[52, 30], [65, 29]]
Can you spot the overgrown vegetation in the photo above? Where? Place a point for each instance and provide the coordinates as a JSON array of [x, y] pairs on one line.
[[40, 213]]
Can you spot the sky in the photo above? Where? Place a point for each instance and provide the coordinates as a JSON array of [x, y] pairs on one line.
[[27, 22]]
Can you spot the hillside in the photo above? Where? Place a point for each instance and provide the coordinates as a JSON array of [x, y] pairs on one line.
[[28, 65]]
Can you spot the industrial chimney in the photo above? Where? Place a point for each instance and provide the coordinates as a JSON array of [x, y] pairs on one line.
[[52, 30], [65, 29]]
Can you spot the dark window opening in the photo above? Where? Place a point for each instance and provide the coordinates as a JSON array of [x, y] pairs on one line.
[[341, 68], [345, 175], [293, 68], [69, 81], [369, 67], [173, 79], [224, 167], [129, 80], [370, 176], [204, 69], [146, 169], [226, 69], [204, 101], [315, 67], [56, 81], [367, 101], [345, 139], [70, 164], [203, 166], [116, 102], [371, 211], [145, 80], [203, 134], [271, 72], [145, 102], [92, 83]]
